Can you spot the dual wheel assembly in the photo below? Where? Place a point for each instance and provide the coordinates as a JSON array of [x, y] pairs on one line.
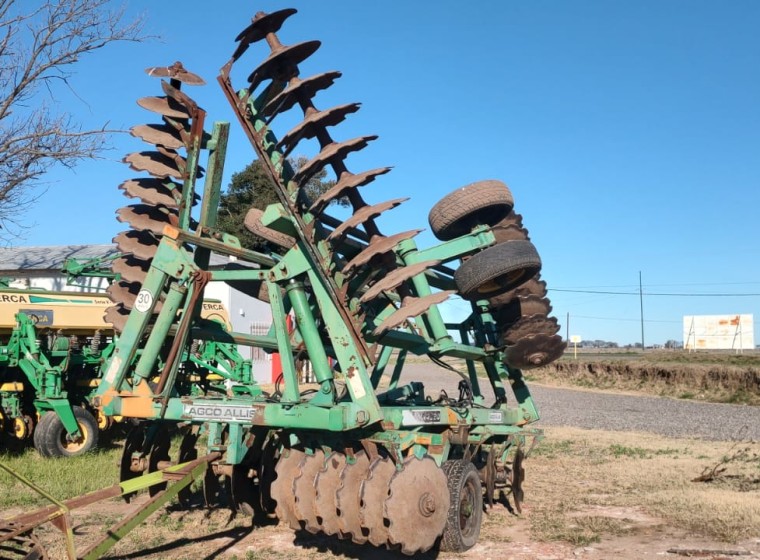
[[409, 506]]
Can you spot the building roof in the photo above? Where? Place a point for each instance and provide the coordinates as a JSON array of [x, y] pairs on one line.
[[48, 257], [28, 259]]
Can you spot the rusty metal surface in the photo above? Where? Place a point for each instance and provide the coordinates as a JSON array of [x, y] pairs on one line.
[[411, 307], [287, 469], [529, 325], [18, 541], [299, 89], [176, 72], [516, 479], [141, 244], [363, 214], [117, 317], [281, 64], [124, 293], [374, 492], [305, 491], [164, 106], [152, 191], [377, 246], [509, 232], [521, 306], [313, 123], [348, 497], [146, 217], [395, 278], [262, 25], [535, 350], [158, 164], [417, 505], [332, 151], [130, 268], [158, 134], [326, 502], [346, 182]]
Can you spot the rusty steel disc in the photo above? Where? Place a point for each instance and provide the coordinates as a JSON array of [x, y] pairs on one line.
[[264, 24], [526, 326], [509, 232], [313, 123], [516, 479], [348, 497], [176, 72], [363, 214], [326, 503], [535, 350], [187, 452], [117, 317], [287, 469], [164, 106], [346, 182], [374, 492], [141, 244], [124, 293], [521, 306], [146, 217], [282, 63], [158, 164], [377, 246], [299, 89], [159, 135], [396, 278], [411, 307], [22, 546], [270, 455], [130, 269], [133, 447], [306, 492], [158, 457], [333, 151], [417, 505], [153, 191]]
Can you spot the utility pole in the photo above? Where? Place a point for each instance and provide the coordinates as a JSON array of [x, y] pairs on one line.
[[641, 303], [567, 327]]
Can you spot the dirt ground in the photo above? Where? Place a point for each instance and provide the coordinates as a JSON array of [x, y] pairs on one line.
[[217, 534]]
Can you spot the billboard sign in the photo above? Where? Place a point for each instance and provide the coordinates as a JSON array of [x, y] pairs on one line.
[[719, 332]]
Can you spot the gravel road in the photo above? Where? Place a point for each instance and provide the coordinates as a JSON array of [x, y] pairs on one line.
[[615, 412]]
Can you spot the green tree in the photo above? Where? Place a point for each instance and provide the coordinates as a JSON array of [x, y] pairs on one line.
[[253, 188]]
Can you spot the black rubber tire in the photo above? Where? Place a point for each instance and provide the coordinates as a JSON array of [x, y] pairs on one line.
[[38, 437], [497, 269], [481, 203], [52, 439], [253, 224], [466, 510]]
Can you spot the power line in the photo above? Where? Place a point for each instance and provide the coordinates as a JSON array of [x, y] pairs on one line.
[[650, 293]]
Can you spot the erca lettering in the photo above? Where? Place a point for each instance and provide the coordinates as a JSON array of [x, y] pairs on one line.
[[13, 298], [213, 306]]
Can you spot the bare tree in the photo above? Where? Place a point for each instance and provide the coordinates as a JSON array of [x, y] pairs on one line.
[[40, 42]]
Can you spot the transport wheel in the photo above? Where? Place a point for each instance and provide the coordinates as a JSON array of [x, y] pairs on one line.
[[497, 269], [54, 441], [484, 202], [466, 508], [253, 224]]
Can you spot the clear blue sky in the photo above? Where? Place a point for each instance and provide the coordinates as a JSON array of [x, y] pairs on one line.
[[629, 133]]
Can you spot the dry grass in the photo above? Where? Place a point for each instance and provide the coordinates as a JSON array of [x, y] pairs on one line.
[[575, 473], [708, 377]]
